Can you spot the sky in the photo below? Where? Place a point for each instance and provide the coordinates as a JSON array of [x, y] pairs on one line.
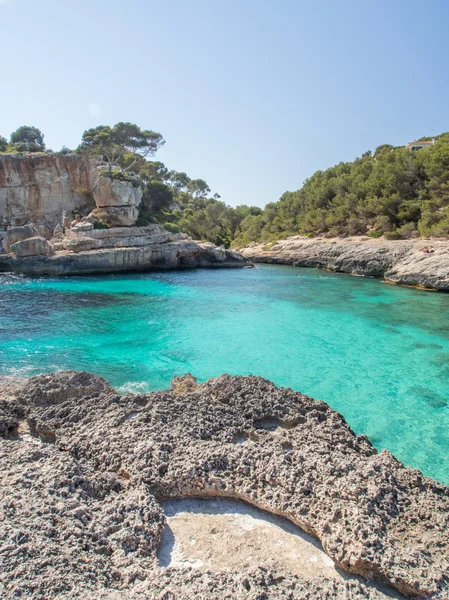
[[251, 95]]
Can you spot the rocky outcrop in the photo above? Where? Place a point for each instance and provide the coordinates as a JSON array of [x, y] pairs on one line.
[[117, 201], [84, 469], [17, 234], [421, 263], [39, 188], [34, 246], [114, 192], [111, 250]]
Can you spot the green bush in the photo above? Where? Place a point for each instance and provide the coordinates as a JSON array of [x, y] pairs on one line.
[[120, 176], [407, 231], [100, 225], [171, 227], [392, 235]]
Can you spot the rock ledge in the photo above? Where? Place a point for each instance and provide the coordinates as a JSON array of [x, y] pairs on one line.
[[418, 263], [84, 469]]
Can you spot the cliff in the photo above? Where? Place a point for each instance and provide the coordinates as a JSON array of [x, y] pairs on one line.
[[84, 471], [85, 250], [38, 188], [421, 263]]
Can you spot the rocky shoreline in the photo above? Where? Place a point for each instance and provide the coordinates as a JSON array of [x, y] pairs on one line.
[[419, 263], [84, 471], [118, 249]]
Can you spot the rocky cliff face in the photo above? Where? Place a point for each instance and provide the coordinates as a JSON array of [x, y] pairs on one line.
[[421, 263], [82, 250], [38, 188], [84, 470]]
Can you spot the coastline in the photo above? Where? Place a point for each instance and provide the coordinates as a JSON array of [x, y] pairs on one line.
[[421, 264], [119, 249], [239, 438]]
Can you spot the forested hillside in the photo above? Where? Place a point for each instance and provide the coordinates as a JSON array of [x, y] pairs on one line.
[[394, 192]]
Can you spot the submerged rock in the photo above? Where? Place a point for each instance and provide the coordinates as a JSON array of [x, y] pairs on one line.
[[84, 469]]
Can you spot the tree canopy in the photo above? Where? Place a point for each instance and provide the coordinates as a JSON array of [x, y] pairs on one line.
[[27, 139], [123, 145], [395, 192]]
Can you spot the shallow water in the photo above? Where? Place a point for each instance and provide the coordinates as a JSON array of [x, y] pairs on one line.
[[379, 354]]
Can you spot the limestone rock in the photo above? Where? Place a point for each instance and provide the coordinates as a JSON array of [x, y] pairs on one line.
[[84, 469], [118, 216], [33, 246], [45, 232], [422, 263], [17, 234], [114, 192], [82, 227], [38, 188], [58, 231]]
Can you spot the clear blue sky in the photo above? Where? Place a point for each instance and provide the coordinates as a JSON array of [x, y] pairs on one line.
[[251, 95]]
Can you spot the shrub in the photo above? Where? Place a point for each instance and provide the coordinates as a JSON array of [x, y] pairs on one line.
[[171, 227], [392, 235], [408, 231], [121, 177], [100, 225]]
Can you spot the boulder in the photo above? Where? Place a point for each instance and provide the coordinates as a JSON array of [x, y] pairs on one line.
[[45, 231], [114, 192], [118, 216], [82, 227], [33, 246], [17, 234], [58, 231]]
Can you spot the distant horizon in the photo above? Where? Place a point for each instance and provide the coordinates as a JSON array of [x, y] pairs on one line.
[[253, 97]]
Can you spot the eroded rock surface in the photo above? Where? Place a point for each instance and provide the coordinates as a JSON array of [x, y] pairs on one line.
[[116, 249], [83, 469], [421, 263], [118, 200], [18, 234], [34, 246], [38, 188]]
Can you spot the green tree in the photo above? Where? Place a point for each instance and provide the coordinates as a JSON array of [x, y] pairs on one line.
[[3, 144], [124, 139], [28, 139]]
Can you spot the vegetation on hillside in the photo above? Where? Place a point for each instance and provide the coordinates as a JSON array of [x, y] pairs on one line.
[[24, 139], [171, 198], [391, 192]]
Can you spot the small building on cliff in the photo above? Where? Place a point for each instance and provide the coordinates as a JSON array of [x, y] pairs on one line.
[[419, 144]]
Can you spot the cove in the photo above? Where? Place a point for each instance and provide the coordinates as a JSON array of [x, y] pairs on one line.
[[378, 354]]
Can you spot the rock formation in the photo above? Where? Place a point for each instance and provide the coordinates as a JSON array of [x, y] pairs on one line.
[[117, 201], [34, 246], [84, 469], [84, 249], [39, 188], [422, 263]]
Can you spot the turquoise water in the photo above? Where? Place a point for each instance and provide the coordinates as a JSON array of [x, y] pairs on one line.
[[378, 354]]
